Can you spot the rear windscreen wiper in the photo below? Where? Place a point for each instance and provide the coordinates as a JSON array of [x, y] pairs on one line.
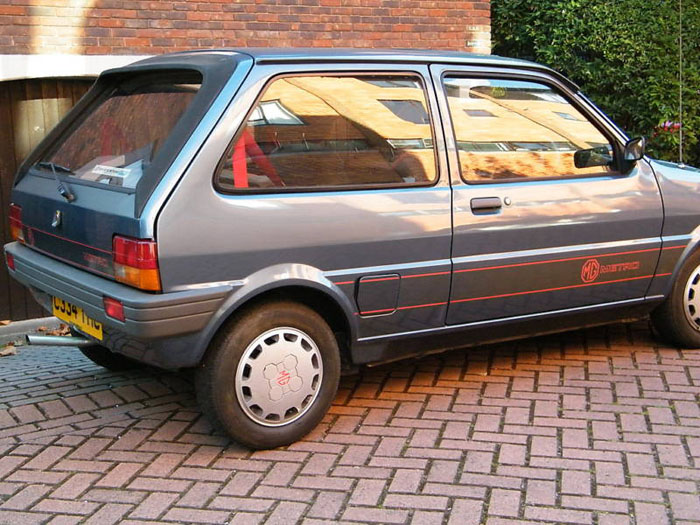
[[62, 189]]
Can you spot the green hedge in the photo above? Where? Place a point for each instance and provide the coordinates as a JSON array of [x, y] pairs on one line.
[[623, 54]]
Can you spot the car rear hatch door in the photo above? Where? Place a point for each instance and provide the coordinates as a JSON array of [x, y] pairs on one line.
[[90, 179]]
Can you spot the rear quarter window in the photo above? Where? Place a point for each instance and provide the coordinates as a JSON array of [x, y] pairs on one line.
[[333, 132]]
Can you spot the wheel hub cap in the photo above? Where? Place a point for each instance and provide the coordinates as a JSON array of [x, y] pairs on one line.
[[691, 299], [279, 376]]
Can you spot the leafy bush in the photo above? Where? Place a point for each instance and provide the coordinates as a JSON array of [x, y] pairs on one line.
[[623, 54]]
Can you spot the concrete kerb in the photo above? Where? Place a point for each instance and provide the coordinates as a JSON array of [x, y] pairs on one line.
[[15, 331]]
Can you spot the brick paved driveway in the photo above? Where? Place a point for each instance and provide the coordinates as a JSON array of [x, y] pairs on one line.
[[601, 426]]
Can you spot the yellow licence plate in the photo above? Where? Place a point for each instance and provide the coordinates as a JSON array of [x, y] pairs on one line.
[[75, 316]]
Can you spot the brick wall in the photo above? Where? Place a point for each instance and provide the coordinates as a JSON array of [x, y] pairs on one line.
[[152, 27]]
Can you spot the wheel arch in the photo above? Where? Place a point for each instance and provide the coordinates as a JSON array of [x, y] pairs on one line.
[[690, 249], [305, 285]]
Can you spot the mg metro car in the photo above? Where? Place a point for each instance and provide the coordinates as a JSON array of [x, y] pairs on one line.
[[270, 217]]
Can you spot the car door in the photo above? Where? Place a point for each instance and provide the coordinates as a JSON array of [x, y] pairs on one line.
[[533, 233]]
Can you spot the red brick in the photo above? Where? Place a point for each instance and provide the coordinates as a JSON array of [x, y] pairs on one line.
[[27, 414], [367, 492], [406, 481], [47, 457], [197, 516], [369, 515], [25, 518], [466, 512], [286, 512], [541, 492], [650, 514], [327, 505], [153, 506], [504, 502], [558, 515], [163, 465], [589, 503], [575, 482], [26, 497], [75, 486], [685, 506], [66, 507], [240, 504], [281, 474]]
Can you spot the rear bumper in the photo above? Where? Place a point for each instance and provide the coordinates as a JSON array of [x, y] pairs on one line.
[[150, 318]]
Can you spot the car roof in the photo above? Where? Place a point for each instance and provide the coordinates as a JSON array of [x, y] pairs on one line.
[[270, 55]]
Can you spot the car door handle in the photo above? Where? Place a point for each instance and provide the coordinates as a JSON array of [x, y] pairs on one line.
[[486, 204]]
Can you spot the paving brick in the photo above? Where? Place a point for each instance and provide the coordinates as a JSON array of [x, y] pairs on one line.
[[237, 504], [406, 481], [57, 506], [26, 497], [153, 506], [541, 492], [558, 515], [196, 516], [443, 471], [650, 514], [367, 492], [504, 502], [685, 506], [447, 437], [481, 462], [108, 514], [405, 501], [466, 512], [75, 486], [327, 505], [369, 515], [25, 518], [286, 512], [48, 457]]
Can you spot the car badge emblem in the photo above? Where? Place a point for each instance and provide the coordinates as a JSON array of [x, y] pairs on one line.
[[57, 219]]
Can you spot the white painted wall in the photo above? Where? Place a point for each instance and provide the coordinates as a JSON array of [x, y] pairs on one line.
[[16, 67]]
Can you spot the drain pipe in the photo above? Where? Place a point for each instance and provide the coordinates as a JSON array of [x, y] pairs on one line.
[[57, 340]]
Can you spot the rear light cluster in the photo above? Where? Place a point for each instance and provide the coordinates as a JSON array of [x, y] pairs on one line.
[[136, 262], [16, 231]]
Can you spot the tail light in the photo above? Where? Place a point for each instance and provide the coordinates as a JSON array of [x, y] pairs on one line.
[[16, 231], [136, 262], [10, 261]]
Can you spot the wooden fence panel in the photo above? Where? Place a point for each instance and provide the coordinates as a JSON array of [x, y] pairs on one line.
[[29, 109]]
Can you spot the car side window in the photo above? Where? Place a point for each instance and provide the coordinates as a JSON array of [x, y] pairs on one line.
[[512, 130], [322, 131]]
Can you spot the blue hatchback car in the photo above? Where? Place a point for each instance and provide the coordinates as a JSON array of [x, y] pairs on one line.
[[272, 217]]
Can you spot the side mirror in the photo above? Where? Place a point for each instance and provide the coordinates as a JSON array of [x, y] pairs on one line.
[[634, 149], [589, 158]]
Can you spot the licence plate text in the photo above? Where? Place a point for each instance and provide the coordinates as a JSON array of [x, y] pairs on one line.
[[74, 315]]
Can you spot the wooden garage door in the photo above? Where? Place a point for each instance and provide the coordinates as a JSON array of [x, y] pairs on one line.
[[28, 110]]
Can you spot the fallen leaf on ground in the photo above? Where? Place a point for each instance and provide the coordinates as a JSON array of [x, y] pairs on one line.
[[8, 350], [63, 329], [5, 322]]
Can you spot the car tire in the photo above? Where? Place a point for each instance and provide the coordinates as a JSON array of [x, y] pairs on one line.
[[270, 375], [106, 358], [678, 318]]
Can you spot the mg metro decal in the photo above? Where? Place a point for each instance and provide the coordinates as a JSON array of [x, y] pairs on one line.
[[590, 270], [620, 267]]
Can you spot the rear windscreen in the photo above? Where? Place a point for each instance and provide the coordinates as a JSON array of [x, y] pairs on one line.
[[121, 134]]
